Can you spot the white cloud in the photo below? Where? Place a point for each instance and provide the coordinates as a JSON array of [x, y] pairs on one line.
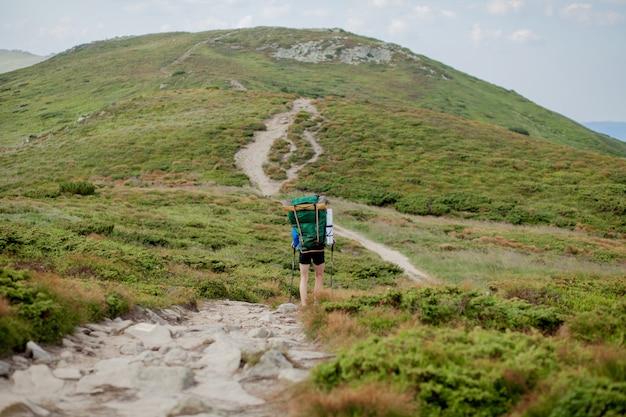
[[478, 34], [523, 36], [19, 24], [134, 7], [354, 25], [209, 24], [61, 32], [448, 14], [274, 10], [421, 11], [316, 12], [244, 22], [384, 3], [586, 13], [397, 26], [504, 6]]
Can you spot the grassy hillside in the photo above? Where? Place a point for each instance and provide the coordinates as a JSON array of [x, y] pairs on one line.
[[105, 72], [118, 187]]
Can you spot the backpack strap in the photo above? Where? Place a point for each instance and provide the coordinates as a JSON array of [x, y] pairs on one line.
[[299, 228]]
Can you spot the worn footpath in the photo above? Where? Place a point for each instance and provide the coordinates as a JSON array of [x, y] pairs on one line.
[[227, 359]]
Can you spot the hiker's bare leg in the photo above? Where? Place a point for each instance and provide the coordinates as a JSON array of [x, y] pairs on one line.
[[304, 282], [319, 280]]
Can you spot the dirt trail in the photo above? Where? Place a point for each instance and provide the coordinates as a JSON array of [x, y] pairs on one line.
[[252, 158], [385, 253]]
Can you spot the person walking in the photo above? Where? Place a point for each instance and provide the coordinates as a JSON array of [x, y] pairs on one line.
[[314, 256]]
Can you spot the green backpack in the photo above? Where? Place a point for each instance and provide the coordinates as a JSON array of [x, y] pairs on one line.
[[308, 216]]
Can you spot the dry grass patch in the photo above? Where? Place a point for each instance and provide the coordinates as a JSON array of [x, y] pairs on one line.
[[371, 400], [5, 307]]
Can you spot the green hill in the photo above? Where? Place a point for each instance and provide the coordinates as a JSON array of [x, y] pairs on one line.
[[405, 130], [118, 186], [14, 60]]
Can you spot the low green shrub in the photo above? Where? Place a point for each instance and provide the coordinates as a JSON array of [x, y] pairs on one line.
[[443, 204], [116, 305], [422, 205], [520, 130], [365, 274], [14, 334], [584, 397], [450, 372], [84, 228], [79, 187], [39, 315], [451, 306], [212, 289], [605, 324]]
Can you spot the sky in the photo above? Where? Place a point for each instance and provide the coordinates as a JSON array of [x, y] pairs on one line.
[[568, 56]]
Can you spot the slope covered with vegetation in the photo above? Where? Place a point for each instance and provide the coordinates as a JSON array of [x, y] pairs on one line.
[[119, 187]]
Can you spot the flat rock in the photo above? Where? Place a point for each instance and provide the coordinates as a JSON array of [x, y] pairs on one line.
[[151, 335], [225, 394], [270, 365], [37, 353], [67, 373], [37, 379], [222, 357], [160, 379]]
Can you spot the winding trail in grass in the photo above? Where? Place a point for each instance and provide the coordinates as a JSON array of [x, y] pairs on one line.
[[254, 156], [386, 253]]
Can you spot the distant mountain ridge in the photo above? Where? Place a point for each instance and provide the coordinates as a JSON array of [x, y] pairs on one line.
[[616, 130], [14, 60]]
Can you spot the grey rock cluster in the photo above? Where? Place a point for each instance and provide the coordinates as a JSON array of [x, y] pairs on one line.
[[337, 49], [227, 359]]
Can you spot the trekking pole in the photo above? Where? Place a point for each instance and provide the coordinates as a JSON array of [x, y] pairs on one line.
[[293, 268], [332, 252]]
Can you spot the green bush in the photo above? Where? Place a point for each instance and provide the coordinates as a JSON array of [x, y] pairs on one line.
[[380, 197], [460, 201], [81, 188], [39, 315], [520, 130], [451, 306], [449, 371], [84, 228], [421, 205], [364, 274], [14, 334], [116, 305], [584, 397], [212, 289], [605, 324]]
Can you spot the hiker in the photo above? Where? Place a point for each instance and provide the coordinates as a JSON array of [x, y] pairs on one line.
[[315, 256], [310, 219]]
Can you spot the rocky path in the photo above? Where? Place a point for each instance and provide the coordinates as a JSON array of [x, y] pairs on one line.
[[227, 359]]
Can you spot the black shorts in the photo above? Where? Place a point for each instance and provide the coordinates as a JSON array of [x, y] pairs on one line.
[[317, 257]]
